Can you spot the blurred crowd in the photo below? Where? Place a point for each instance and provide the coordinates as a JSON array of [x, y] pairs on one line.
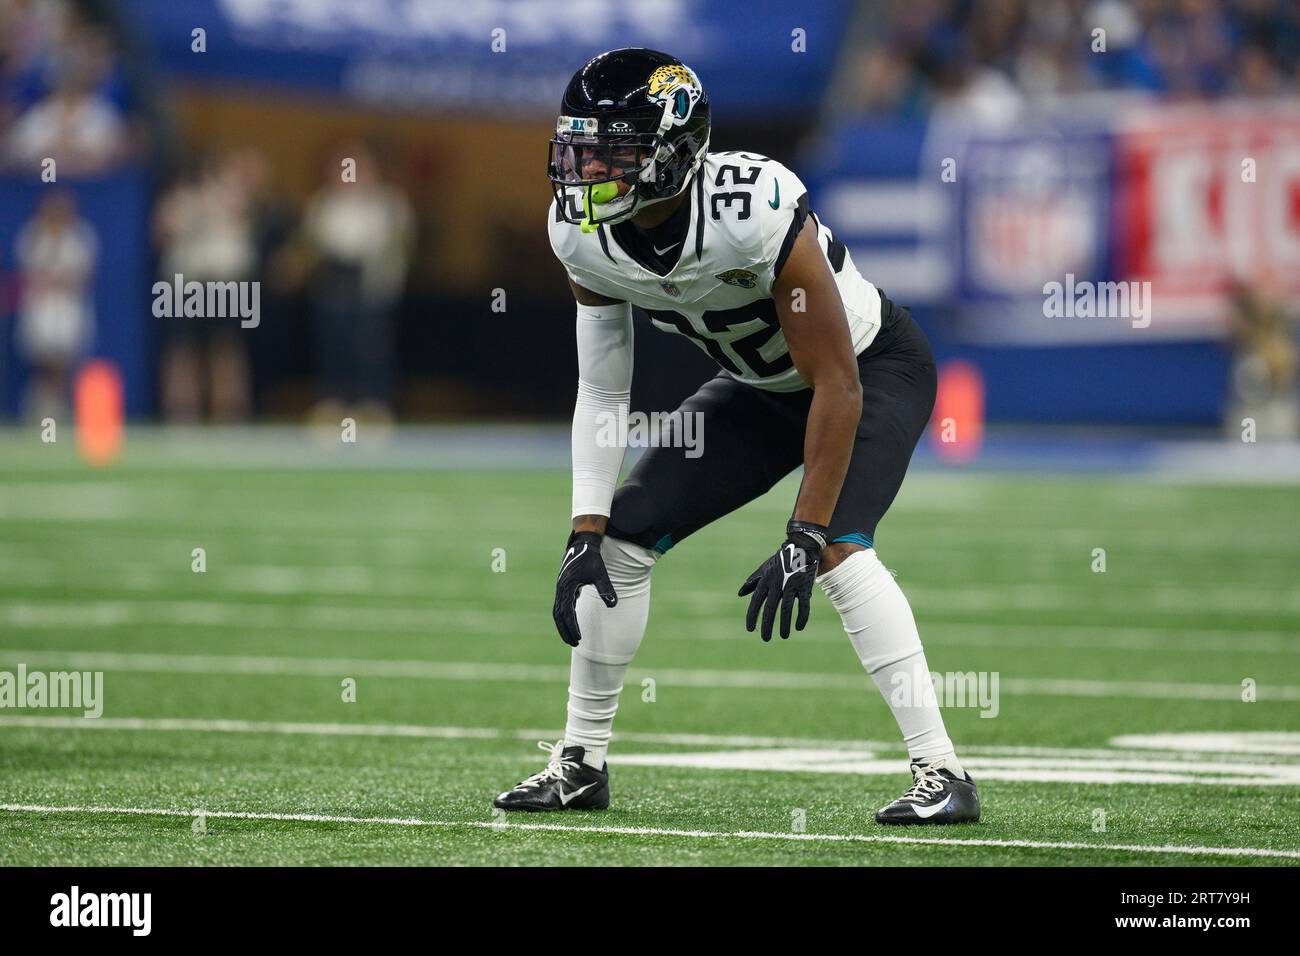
[[343, 257], [990, 58], [337, 260], [71, 87]]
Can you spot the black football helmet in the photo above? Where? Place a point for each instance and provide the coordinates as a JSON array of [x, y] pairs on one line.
[[635, 116]]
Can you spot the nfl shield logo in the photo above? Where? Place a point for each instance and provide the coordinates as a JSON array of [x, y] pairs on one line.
[[671, 289]]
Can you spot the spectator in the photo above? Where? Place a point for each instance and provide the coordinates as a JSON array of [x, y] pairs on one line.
[[81, 130], [30, 30], [360, 230], [1262, 386], [204, 230], [56, 252], [62, 88]]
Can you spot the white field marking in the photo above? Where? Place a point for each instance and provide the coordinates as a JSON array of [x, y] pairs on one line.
[[1281, 743], [1137, 597], [1119, 638], [313, 548], [1222, 851], [1146, 770], [557, 673], [918, 497], [308, 551], [359, 581], [1245, 600], [319, 548], [387, 619], [205, 725]]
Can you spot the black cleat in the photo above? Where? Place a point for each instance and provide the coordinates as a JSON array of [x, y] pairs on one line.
[[566, 783], [937, 795]]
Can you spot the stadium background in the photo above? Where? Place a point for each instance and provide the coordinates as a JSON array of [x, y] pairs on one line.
[[1071, 168], [1122, 691]]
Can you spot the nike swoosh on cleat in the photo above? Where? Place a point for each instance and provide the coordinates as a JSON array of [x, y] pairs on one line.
[[927, 812], [566, 797]]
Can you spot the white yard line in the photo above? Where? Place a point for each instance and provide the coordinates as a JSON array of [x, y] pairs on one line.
[[417, 731], [1220, 851], [557, 673], [358, 581], [1242, 748], [1143, 770], [28, 616]]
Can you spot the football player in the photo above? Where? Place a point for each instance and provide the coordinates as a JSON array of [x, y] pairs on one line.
[[818, 368]]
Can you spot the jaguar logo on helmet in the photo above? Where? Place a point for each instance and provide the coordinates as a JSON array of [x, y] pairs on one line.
[[677, 84]]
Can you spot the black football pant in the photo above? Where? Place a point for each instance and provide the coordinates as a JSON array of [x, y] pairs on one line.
[[753, 438]]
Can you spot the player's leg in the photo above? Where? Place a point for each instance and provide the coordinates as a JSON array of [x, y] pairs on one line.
[[610, 638], [749, 442], [898, 391], [576, 777]]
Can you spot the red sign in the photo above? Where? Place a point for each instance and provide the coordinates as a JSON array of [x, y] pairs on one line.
[[1208, 198]]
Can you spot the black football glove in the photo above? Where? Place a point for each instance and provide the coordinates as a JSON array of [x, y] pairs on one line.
[[785, 577], [582, 565]]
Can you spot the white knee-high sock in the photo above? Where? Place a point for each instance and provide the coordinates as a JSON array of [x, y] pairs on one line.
[[880, 625], [610, 637]]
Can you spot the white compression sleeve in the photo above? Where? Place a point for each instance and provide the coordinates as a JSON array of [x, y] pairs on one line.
[[610, 638], [880, 624], [604, 391]]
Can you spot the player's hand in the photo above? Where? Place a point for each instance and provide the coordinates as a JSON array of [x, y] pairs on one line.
[[785, 578], [582, 565]]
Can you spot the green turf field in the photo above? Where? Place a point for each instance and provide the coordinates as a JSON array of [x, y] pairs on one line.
[[1120, 735]]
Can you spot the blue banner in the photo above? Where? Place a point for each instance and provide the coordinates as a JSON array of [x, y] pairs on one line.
[[967, 226], [867, 182], [1032, 207], [756, 57]]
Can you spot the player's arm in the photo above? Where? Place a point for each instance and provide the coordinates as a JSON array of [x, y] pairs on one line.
[[604, 337], [822, 349], [591, 522], [817, 334]]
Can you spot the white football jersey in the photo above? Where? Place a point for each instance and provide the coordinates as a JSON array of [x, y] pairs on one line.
[[719, 292]]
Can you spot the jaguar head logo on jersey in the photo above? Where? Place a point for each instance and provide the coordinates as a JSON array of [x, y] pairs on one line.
[[633, 128], [742, 278]]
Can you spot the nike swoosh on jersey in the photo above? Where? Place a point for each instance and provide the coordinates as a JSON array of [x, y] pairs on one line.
[[775, 201], [927, 812], [660, 252], [566, 797]]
